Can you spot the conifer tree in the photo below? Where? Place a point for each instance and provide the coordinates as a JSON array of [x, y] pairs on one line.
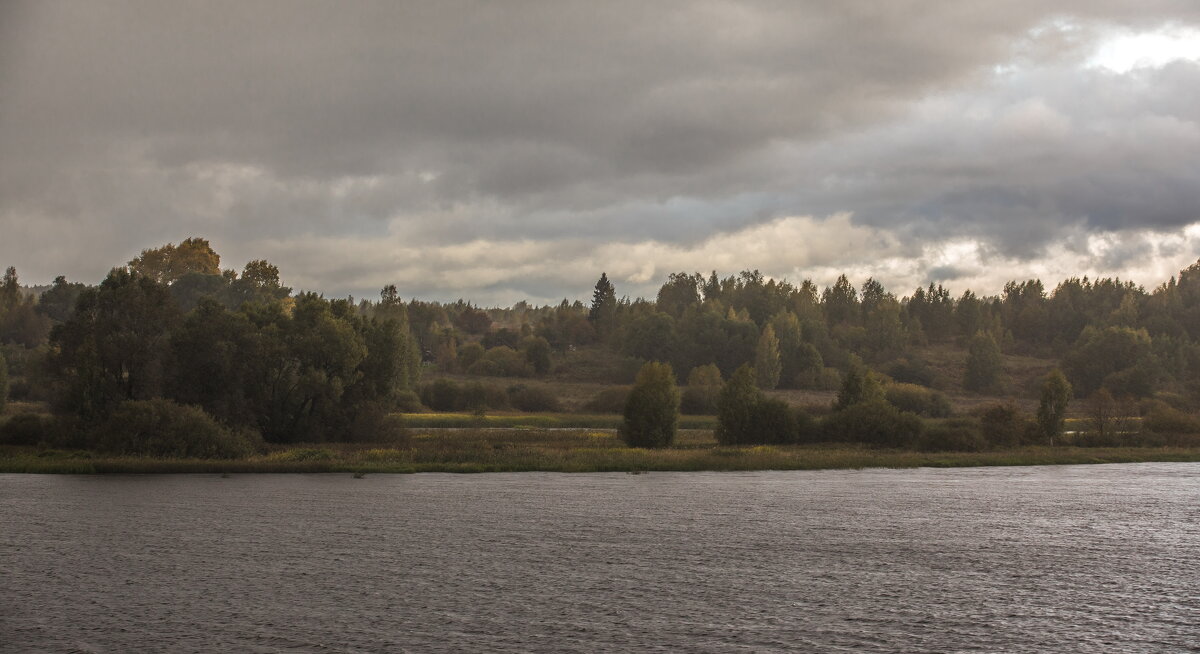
[[603, 313]]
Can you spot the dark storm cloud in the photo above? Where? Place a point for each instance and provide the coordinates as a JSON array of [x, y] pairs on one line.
[[261, 124]]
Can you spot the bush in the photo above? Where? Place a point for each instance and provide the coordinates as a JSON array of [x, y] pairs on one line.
[[910, 371], [372, 423], [442, 395], [1003, 425], [163, 428], [25, 429], [773, 423], [304, 454], [1103, 439], [807, 429], [875, 422], [860, 385], [651, 414], [1162, 419], [918, 400], [609, 400], [824, 379], [959, 435], [532, 398], [408, 402], [700, 400], [502, 361]]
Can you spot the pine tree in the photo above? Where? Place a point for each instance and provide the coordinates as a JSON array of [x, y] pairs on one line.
[[603, 313]]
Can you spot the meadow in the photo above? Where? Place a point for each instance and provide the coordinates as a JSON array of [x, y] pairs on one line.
[[472, 450]]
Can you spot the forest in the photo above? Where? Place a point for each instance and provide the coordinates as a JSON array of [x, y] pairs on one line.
[[171, 355]]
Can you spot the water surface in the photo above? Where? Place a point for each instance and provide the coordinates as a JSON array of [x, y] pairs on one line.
[[1041, 559]]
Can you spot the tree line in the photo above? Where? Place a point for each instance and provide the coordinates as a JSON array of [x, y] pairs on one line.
[[257, 358]]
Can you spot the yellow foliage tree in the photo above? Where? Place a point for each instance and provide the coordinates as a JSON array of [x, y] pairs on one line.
[[168, 263]]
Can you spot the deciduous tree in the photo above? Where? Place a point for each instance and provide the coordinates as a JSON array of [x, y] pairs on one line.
[[652, 409], [1052, 409]]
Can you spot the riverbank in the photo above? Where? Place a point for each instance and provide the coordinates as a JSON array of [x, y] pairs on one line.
[[567, 450]]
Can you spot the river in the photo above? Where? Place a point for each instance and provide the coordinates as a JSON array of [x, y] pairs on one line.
[[1099, 558]]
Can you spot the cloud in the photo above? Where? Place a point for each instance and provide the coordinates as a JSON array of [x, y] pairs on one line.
[[458, 146], [793, 248]]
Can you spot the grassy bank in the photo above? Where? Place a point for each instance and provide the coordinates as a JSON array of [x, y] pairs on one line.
[[536, 421], [568, 450]]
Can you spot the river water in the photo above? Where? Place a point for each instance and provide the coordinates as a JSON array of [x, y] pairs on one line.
[[1043, 559]]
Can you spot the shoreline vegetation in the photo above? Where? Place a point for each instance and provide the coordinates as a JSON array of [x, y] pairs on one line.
[[499, 449], [173, 364]]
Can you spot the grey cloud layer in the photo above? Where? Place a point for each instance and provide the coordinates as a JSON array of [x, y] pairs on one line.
[[125, 125]]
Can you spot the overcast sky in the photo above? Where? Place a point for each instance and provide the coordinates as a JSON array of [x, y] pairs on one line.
[[500, 151]]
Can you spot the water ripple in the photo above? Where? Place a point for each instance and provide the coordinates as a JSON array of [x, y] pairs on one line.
[[1048, 559]]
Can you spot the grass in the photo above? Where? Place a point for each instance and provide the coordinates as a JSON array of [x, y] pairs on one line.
[[568, 450], [535, 420]]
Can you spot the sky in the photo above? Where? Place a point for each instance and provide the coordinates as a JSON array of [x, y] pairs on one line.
[[507, 151]]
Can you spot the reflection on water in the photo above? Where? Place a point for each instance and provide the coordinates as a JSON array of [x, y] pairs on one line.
[[1049, 559]]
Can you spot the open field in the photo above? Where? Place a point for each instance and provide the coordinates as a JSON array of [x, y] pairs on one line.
[[566, 450]]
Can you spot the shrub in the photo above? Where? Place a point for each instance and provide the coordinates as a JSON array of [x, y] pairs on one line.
[[303, 454], [502, 361], [860, 385], [165, 429], [372, 423], [24, 429], [876, 423], [651, 414], [407, 402], [773, 423], [532, 398], [807, 429], [1103, 439], [819, 379], [485, 368], [442, 395], [910, 371], [609, 400], [700, 400], [1163, 419], [1003, 425], [918, 400], [961, 435], [473, 397]]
